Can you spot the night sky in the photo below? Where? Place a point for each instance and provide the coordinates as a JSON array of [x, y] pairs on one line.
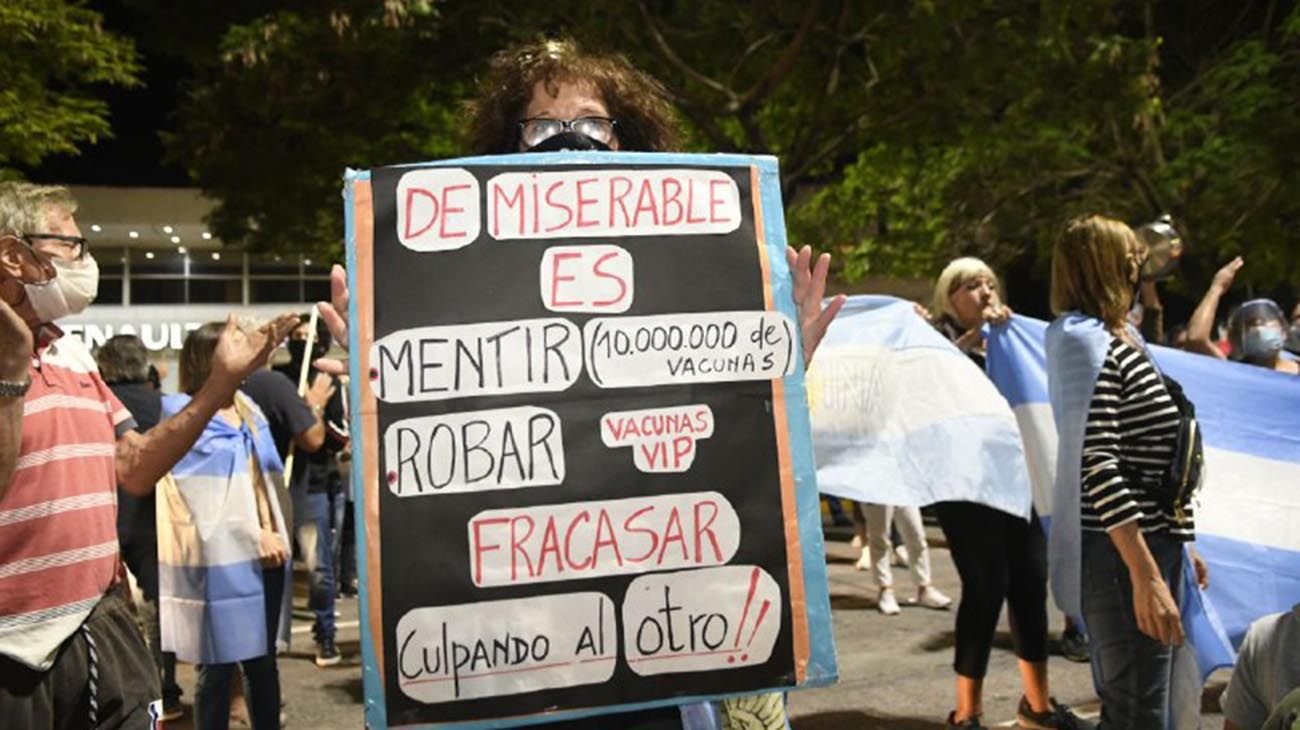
[[134, 155]]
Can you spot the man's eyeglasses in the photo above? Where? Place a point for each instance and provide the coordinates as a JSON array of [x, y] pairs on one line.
[[78, 244], [539, 129]]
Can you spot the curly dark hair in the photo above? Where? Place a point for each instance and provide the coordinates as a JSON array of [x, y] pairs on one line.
[[636, 100]]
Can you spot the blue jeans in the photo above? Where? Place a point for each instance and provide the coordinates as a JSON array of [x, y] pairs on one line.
[[261, 675], [311, 529], [1132, 672], [339, 507]]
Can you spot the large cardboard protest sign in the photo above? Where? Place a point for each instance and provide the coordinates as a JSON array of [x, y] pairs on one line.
[[584, 472]]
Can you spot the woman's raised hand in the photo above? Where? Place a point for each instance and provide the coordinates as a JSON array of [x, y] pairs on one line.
[[335, 314], [809, 289]]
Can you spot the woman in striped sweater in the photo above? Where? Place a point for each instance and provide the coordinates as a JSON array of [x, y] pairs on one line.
[[1118, 425]]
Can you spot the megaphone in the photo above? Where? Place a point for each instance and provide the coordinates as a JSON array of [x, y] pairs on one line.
[[1164, 247]]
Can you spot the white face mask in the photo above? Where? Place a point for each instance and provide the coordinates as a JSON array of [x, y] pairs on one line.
[[72, 289]]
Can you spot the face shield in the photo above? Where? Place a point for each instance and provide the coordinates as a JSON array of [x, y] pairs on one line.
[[1257, 330]]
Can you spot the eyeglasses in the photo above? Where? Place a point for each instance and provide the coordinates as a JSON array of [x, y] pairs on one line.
[[78, 244], [539, 129]]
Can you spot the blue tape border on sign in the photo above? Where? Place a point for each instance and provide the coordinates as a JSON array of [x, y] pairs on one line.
[[821, 669]]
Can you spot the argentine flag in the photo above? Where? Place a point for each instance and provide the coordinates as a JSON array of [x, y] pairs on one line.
[[1248, 511], [212, 602], [901, 417]]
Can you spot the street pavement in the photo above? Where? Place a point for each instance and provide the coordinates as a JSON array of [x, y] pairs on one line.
[[895, 671]]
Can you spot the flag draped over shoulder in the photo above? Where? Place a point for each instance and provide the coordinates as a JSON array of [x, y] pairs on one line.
[[1248, 511], [211, 599], [901, 417]]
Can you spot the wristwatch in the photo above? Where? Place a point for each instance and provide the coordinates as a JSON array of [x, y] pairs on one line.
[[14, 390]]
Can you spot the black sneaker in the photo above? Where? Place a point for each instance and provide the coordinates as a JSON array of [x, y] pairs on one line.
[[1057, 717], [970, 723], [172, 710], [327, 655], [1074, 646]]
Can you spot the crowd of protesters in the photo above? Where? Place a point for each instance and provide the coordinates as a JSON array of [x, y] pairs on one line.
[[209, 496], [1130, 530], [103, 475]]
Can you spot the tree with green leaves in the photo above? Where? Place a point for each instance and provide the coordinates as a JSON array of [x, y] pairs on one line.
[[1129, 110], [295, 97], [774, 51], [907, 132], [55, 59]]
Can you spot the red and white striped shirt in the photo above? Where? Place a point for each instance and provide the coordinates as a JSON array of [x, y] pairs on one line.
[[58, 532]]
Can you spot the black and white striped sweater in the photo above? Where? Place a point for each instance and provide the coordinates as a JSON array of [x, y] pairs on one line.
[[1128, 446]]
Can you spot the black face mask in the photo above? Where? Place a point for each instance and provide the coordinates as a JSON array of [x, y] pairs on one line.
[[573, 141], [298, 348]]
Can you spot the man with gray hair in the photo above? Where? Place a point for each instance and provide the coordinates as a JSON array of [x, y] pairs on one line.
[[123, 359], [70, 655]]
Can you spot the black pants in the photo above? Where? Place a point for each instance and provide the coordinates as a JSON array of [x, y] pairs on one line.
[[998, 557], [141, 557], [60, 699]]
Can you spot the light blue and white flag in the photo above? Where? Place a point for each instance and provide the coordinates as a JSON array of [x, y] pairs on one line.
[[1248, 511], [211, 590], [901, 417]]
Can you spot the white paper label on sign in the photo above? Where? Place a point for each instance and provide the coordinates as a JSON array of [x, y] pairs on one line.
[[595, 278], [662, 439], [438, 209], [701, 620], [595, 539], [582, 203], [487, 358], [494, 648], [703, 347], [474, 451]]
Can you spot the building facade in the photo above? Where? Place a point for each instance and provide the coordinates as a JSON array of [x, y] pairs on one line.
[[162, 273]]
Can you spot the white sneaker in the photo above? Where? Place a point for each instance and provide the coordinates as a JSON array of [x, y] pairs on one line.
[[887, 603], [864, 562], [932, 597], [856, 542], [900, 556]]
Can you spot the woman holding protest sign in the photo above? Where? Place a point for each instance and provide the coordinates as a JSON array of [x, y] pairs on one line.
[[1122, 510], [552, 96], [999, 557]]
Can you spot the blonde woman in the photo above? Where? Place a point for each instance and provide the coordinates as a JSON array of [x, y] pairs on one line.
[[1000, 558], [1117, 545], [966, 297]]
